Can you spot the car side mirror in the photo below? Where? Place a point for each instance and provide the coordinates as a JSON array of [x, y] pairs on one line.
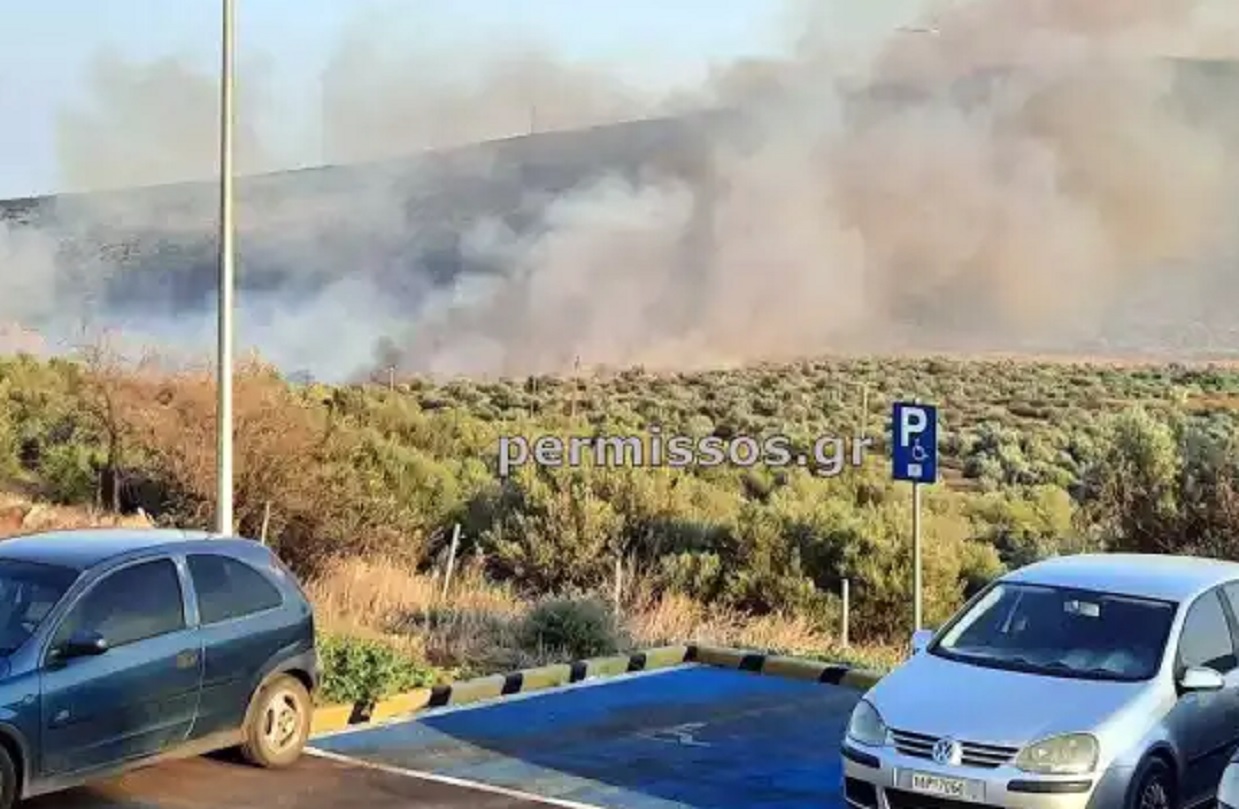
[[83, 643], [1201, 678], [921, 639]]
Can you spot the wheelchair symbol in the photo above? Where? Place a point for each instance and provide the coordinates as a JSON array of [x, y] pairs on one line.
[[916, 462]]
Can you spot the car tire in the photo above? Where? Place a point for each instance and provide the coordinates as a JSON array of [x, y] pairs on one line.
[[8, 780], [277, 725], [1153, 787]]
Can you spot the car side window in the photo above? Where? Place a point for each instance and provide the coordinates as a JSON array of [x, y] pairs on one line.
[[228, 588], [134, 603], [1206, 639]]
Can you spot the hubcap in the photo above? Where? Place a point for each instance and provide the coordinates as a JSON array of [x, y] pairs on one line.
[[1154, 796], [281, 722]]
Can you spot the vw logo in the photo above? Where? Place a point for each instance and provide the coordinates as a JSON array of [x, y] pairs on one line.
[[947, 751]]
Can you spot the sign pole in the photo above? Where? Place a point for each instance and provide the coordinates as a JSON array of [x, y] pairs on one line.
[[917, 588], [223, 453], [916, 554], [914, 458]]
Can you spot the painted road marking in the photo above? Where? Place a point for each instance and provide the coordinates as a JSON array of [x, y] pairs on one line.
[[449, 781], [680, 734], [696, 737]]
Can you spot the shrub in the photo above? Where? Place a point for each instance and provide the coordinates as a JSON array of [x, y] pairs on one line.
[[364, 670], [366, 472], [69, 473], [578, 628]]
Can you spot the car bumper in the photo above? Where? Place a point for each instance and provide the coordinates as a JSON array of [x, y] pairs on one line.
[[880, 778]]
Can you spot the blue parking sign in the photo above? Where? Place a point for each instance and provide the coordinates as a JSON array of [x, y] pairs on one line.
[[914, 452]]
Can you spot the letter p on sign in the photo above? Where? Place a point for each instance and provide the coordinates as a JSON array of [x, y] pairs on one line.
[[914, 452], [912, 422]]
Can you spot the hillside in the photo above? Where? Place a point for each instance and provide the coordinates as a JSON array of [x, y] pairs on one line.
[[359, 488], [409, 239], [415, 208]]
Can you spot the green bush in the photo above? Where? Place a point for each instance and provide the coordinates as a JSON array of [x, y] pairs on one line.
[[361, 469], [362, 670], [576, 628], [10, 445], [70, 473]]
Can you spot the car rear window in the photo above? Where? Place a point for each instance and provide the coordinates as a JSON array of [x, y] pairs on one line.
[[288, 575], [229, 588]]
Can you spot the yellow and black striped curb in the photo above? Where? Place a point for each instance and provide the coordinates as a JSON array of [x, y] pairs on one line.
[[338, 717], [796, 668]]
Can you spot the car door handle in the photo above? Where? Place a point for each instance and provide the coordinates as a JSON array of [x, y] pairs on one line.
[[187, 659]]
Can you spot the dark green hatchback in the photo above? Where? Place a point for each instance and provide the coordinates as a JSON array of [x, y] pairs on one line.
[[119, 648]]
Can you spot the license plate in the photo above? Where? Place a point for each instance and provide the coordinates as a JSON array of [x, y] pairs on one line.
[[938, 785]]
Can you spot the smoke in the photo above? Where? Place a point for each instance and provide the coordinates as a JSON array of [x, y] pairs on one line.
[[993, 175], [1041, 175], [381, 99], [151, 123]]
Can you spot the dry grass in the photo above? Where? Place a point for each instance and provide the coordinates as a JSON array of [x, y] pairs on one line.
[[20, 515], [474, 629], [381, 599], [1212, 402], [673, 618]]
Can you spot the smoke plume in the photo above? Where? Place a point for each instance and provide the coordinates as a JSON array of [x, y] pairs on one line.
[[993, 175]]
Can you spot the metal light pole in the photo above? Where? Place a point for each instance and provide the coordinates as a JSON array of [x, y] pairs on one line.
[[223, 502]]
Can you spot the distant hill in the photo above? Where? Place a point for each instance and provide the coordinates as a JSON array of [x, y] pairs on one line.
[[400, 214], [402, 222]]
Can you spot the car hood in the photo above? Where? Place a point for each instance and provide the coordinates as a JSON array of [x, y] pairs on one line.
[[941, 697]]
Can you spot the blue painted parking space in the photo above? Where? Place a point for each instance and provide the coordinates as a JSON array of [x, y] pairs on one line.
[[692, 737]]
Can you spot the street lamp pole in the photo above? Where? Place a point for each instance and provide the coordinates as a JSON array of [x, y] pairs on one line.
[[223, 507]]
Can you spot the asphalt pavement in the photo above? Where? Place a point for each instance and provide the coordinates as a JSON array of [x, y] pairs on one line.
[[696, 737], [693, 737], [313, 783]]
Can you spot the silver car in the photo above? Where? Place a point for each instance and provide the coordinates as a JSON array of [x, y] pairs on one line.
[[1093, 681], [1228, 788]]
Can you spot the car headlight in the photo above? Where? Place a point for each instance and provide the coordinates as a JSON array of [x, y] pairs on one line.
[[1071, 754], [866, 726]]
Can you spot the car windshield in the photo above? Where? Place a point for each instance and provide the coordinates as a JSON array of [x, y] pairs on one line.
[[28, 591], [1061, 632]]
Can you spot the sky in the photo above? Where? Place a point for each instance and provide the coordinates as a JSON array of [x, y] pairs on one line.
[[46, 49]]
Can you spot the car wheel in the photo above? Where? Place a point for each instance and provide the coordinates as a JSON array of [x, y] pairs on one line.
[[277, 725], [1154, 787], [8, 780]]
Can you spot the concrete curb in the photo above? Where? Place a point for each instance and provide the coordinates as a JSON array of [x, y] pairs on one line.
[[330, 718], [796, 668]]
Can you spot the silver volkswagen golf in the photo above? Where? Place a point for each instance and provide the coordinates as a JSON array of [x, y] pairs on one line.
[[1096, 681]]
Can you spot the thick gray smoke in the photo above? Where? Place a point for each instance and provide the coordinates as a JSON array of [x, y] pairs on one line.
[[1003, 175]]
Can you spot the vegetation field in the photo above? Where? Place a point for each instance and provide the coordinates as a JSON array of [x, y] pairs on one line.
[[360, 489]]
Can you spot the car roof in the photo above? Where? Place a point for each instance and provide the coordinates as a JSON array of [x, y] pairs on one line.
[[84, 548], [1165, 577]]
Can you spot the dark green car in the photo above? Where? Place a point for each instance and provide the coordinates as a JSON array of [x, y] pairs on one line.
[[119, 648]]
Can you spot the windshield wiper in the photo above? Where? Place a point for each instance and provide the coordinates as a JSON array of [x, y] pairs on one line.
[[1058, 665], [1021, 661], [1100, 672], [984, 658]]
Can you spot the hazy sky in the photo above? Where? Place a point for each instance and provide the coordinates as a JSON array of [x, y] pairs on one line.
[[46, 48]]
